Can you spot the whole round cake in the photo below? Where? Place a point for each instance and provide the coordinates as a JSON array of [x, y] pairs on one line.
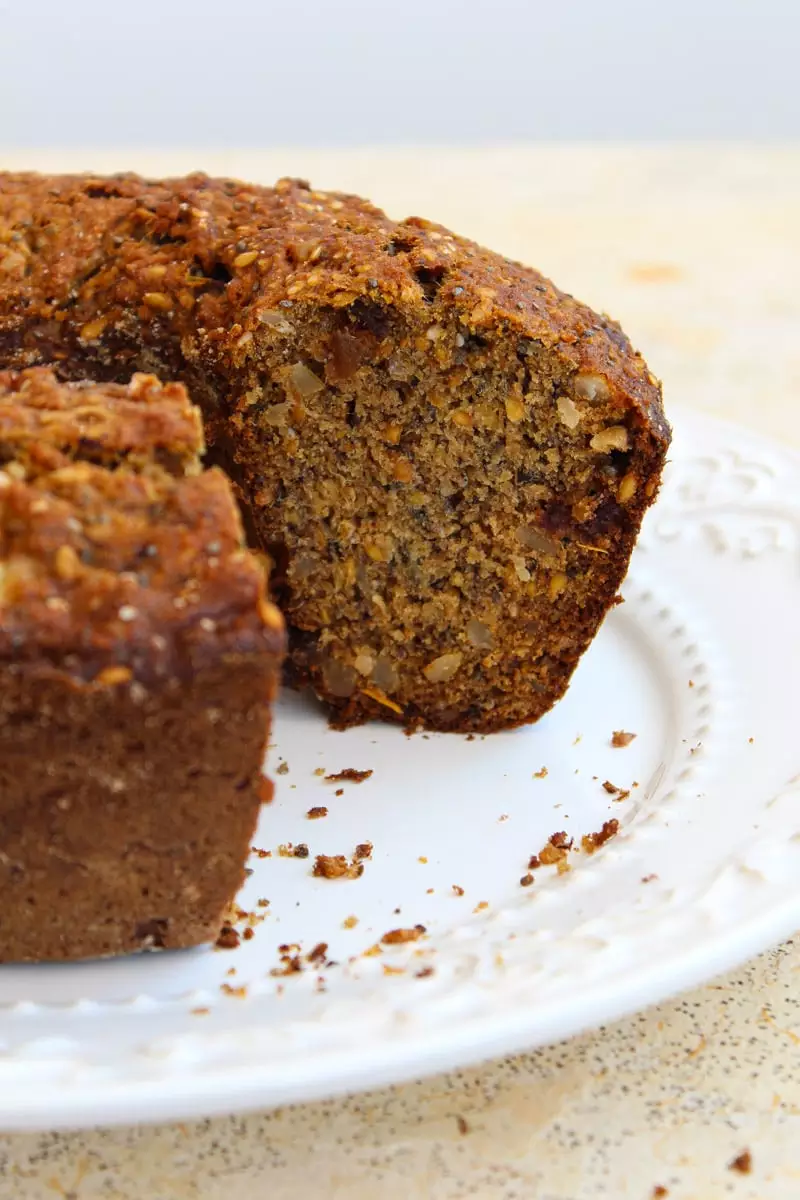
[[446, 458]]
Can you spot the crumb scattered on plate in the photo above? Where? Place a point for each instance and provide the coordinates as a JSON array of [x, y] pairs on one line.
[[561, 840], [553, 852], [290, 960], [282, 768], [617, 792], [395, 937], [620, 738], [593, 841], [743, 1163], [541, 773], [348, 775], [336, 866], [318, 811], [228, 938]]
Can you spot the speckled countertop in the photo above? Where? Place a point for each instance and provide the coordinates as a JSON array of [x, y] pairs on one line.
[[697, 252]]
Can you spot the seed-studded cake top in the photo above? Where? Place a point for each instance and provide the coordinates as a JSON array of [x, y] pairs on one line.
[[198, 264], [145, 421], [133, 567]]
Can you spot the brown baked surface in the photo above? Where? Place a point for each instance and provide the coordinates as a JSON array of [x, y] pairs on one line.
[[138, 658], [139, 423], [448, 457]]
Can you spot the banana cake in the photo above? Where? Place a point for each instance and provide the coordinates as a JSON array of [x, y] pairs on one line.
[[447, 458], [138, 659]]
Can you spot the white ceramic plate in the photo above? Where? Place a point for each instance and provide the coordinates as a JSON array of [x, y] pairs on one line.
[[702, 662]]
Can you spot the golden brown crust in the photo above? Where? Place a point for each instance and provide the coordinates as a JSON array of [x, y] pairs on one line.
[[126, 569], [195, 262], [139, 657], [449, 458], [144, 421], [131, 567]]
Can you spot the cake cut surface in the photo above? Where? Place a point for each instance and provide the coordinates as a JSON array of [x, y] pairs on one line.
[[139, 657], [447, 458]]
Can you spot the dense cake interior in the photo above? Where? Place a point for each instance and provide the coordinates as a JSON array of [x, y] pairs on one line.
[[446, 510]]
